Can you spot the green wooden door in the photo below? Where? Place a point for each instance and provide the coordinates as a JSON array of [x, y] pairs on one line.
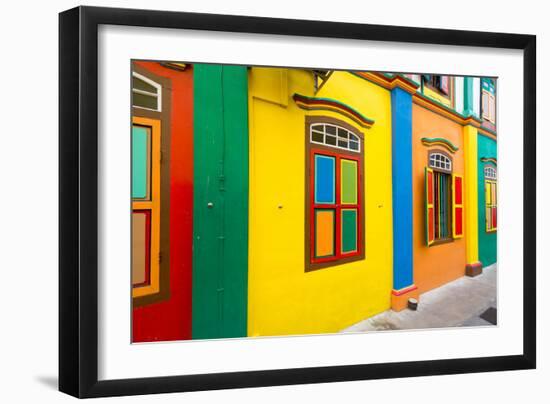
[[220, 222]]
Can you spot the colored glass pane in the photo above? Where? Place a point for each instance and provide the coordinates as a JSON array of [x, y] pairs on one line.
[[142, 85], [140, 162], [324, 179], [324, 232], [458, 221], [348, 172], [145, 101], [458, 190], [349, 230], [140, 247]]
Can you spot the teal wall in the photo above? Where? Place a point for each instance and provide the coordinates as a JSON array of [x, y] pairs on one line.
[[486, 147]]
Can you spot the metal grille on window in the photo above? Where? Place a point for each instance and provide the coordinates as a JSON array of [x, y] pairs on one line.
[[335, 136]]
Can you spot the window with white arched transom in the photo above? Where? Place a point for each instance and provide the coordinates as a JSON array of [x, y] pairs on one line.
[[334, 197], [444, 199], [490, 176]]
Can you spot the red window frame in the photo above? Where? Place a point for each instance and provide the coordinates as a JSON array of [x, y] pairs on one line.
[[337, 206]]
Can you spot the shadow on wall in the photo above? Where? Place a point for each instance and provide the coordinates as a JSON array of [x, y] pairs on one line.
[[51, 382]]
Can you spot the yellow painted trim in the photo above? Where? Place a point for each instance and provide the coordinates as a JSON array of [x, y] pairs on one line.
[[470, 194], [153, 205], [142, 205], [457, 205]]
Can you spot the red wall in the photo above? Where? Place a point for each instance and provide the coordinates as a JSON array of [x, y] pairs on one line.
[[171, 319]]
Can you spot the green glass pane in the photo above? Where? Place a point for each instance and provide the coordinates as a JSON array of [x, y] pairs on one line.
[[349, 181], [139, 162], [144, 101], [139, 84], [349, 230]]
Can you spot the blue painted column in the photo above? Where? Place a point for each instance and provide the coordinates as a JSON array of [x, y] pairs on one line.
[[402, 154]]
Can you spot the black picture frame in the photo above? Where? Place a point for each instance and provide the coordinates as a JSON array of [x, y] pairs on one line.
[[78, 201]]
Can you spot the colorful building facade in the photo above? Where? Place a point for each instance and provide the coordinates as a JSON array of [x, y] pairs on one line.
[[299, 201]]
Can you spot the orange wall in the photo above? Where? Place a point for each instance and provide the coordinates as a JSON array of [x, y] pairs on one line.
[[442, 263]]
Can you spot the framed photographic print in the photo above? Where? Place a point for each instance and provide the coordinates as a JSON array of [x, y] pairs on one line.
[[251, 201]]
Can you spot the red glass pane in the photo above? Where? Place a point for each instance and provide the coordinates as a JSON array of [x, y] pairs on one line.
[[458, 190], [430, 187], [458, 221]]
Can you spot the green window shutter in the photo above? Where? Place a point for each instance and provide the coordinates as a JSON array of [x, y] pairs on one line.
[[429, 206]]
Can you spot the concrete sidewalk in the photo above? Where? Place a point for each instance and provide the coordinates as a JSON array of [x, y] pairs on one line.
[[458, 303]]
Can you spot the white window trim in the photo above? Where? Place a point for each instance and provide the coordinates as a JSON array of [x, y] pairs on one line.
[[154, 84], [324, 143], [444, 161], [490, 173]]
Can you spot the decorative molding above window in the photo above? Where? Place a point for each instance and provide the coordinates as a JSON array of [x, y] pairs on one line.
[[174, 65], [327, 104], [439, 141], [489, 160]]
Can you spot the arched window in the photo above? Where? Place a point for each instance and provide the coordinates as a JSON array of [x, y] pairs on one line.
[[146, 93], [335, 136], [490, 173], [440, 161], [334, 200]]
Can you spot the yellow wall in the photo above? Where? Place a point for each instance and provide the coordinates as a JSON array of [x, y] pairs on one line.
[[283, 298]]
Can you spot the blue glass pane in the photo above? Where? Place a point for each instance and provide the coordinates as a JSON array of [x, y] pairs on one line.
[[324, 179]]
